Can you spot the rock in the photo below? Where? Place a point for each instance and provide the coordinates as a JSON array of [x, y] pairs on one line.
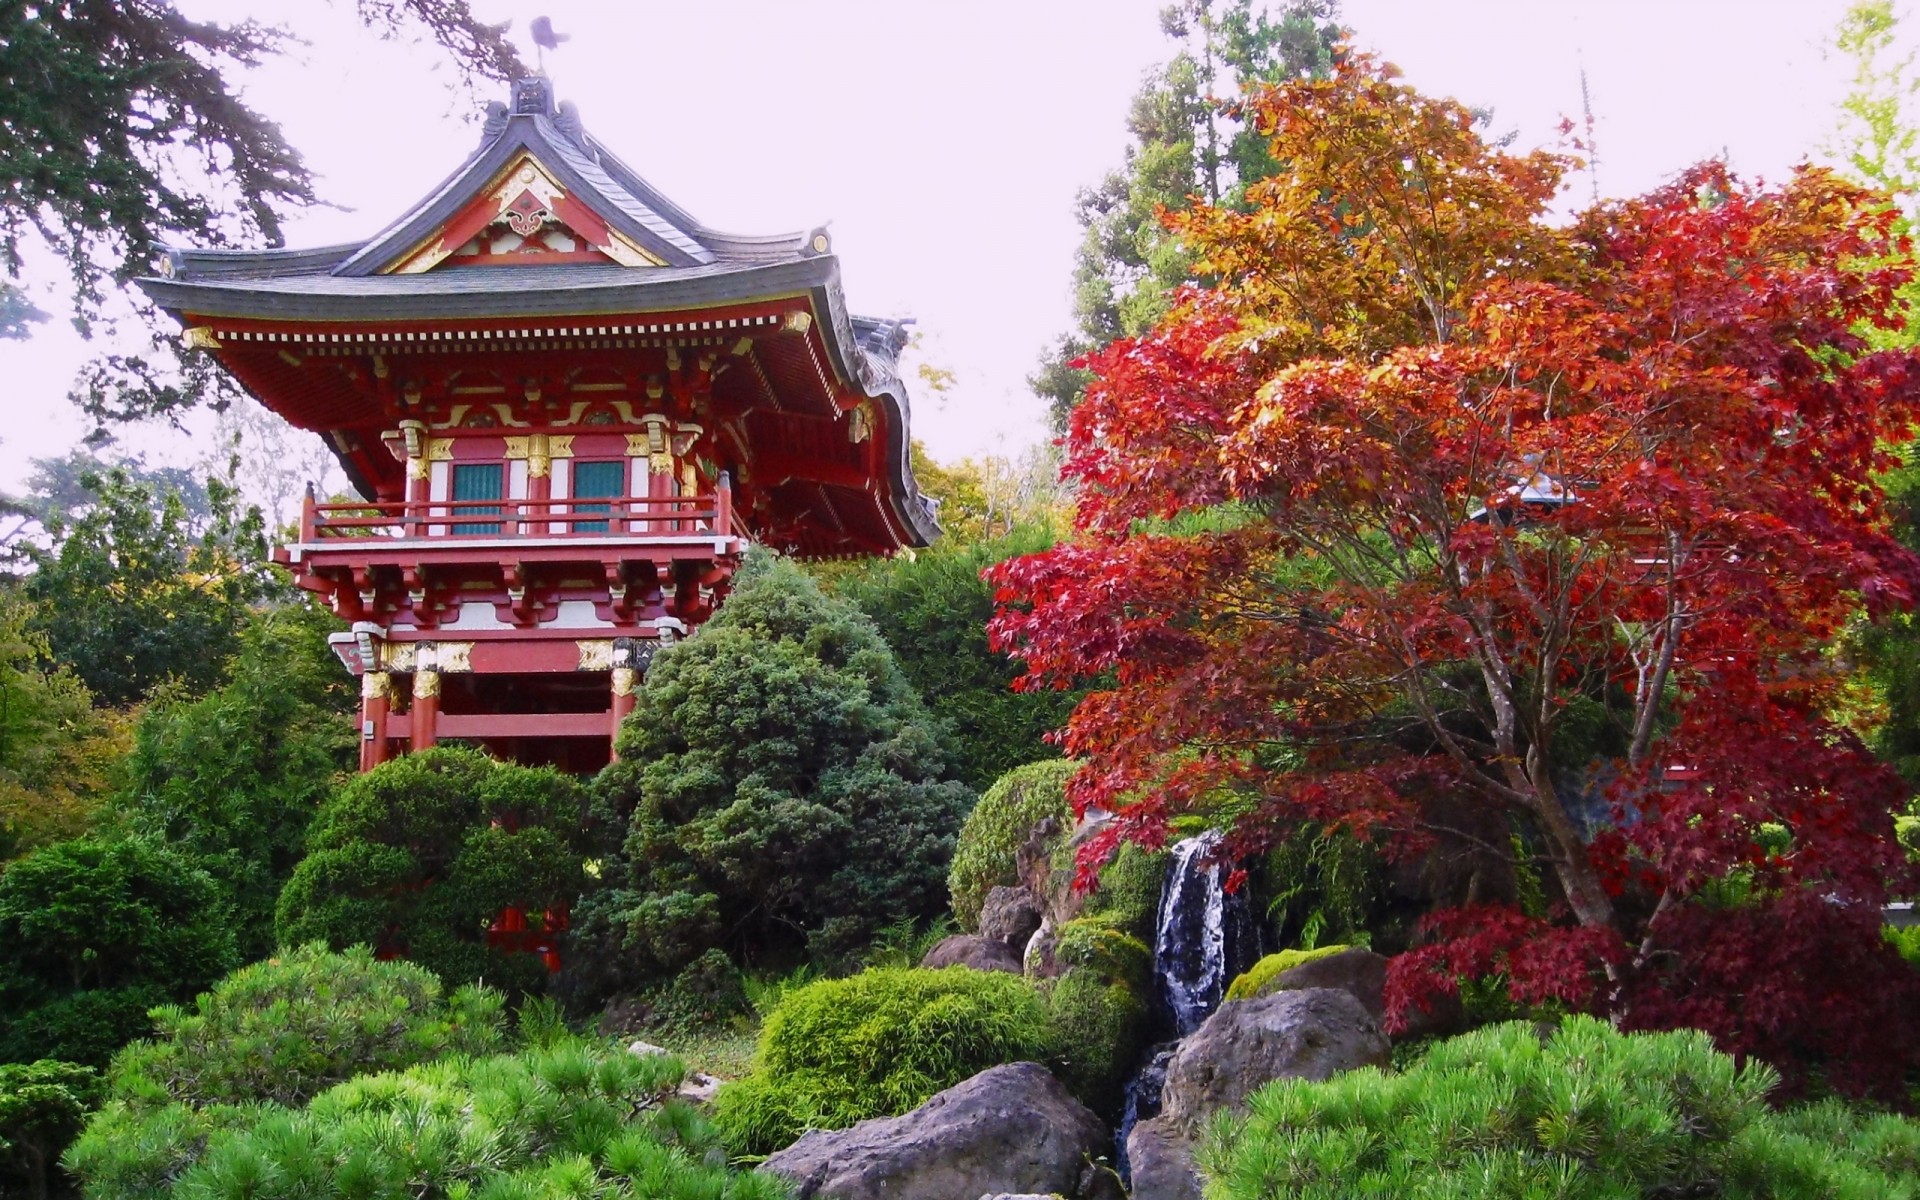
[[1364, 974], [1010, 915], [1037, 959], [646, 1050], [1162, 1162], [699, 1088], [1010, 1129], [972, 950], [1311, 1034]]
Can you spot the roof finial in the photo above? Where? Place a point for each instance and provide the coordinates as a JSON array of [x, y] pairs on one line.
[[545, 39]]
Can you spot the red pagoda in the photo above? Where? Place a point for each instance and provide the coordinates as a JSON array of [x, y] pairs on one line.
[[567, 407]]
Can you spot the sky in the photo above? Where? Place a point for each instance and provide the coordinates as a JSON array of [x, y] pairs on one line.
[[945, 141]]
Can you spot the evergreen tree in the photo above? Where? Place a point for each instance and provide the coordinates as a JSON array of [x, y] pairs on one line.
[[1189, 140]]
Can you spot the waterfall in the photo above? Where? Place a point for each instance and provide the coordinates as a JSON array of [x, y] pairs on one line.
[[1203, 936], [1202, 939]]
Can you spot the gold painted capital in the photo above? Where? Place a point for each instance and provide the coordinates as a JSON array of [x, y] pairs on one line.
[[376, 685], [660, 463], [625, 679], [426, 684], [419, 468], [596, 654], [200, 337]]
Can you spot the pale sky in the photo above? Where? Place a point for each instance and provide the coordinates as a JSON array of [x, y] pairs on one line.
[[945, 139]]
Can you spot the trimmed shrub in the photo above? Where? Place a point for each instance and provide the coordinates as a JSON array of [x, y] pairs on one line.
[[1583, 1112], [1256, 978], [419, 855], [1099, 1027], [1129, 893], [93, 933], [568, 1120], [42, 1106], [287, 1029], [999, 825], [1097, 944], [781, 789], [877, 1044]]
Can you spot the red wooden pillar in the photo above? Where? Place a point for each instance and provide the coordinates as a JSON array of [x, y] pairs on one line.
[[419, 477], [625, 680], [426, 707], [376, 690]]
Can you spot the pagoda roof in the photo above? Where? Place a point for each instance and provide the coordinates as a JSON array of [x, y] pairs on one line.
[[644, 255]]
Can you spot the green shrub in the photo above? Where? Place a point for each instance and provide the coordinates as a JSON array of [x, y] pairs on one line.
[[1129, 893], [1584, 1113], [42, 1106], [568, 1120], [1099, 1029], [419, 855], [1907, 829], [999, 825], [1907, 941], [781, 788], [708, 991], [1097, 944], [287, 1029], [94, 932], [877, 1044], [1256, 978]]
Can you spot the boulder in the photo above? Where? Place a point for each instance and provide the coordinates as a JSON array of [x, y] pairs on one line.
[[1010, 915], [975, 951], [1364, 974], [1161, 1160], [1013, 1128], [1313, 1034]]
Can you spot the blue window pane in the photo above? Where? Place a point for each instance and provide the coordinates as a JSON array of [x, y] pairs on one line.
[[597, 480], [478, 481]]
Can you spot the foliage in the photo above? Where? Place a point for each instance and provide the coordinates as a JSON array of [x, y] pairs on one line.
[[708, 991], [1321, 883], [1426, 480], [42, 1106], [289, 1028], [569, 1120], [991, 498], [236, 775], [93, 933], [1100, 945], [130, 595], [419, 855], [933, 610], [780, 786], [998, 826], [1099, 1029], [58, 753], [1253, 982], [1127, 895], [124, 130], [877, 1044], [1583, 1112], [1192, 140], [1906, 942]]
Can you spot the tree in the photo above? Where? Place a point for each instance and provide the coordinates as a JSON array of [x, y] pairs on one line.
[[57, 752], [129, 595], [418, 857], [95, 932], [1431, 496], [42, 1106], [780, 787], [1190, 142], [236, 775], [122, 128], [933, 609]]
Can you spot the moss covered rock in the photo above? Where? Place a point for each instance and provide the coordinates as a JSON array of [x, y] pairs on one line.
[[1257, 980], [984, 857]]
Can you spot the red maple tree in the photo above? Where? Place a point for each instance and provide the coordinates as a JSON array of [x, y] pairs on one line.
[[1428, 494]]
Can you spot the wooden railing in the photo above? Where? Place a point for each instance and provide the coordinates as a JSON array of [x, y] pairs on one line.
[[570, 517]]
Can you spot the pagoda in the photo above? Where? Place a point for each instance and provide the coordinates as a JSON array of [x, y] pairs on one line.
[[567, 408]]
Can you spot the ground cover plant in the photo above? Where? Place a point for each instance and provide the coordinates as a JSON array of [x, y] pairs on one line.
[[1580, 1112], [1429, 496], [996, 828]]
